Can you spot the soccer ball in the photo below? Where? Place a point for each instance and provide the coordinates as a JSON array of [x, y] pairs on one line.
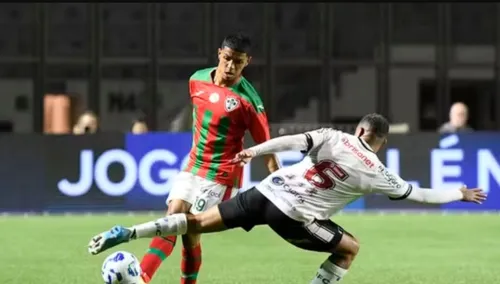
[[121, 267]]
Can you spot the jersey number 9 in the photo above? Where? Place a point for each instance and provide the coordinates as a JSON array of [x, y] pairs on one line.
[[323, 174]]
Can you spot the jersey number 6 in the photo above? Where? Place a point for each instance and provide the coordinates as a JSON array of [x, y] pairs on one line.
[[323, 174]]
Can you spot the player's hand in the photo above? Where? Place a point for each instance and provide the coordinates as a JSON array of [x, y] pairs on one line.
[[243, 157], [475, 195]]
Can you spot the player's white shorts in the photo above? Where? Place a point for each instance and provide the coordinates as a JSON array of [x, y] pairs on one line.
[[200, 192]]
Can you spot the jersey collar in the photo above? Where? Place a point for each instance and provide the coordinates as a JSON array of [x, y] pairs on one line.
[[365, 145]]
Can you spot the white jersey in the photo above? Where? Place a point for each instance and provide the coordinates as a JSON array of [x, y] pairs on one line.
[[338, 169]]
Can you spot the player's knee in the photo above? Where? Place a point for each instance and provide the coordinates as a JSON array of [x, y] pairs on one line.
[[345, 253], [348, 248], [195, 225], [354, 246], [190, 241], [177, 206]]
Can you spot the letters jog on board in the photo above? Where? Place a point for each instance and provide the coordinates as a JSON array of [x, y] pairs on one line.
[[151, 162]]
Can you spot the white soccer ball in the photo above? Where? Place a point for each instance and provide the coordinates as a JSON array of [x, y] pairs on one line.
[[121, 267]]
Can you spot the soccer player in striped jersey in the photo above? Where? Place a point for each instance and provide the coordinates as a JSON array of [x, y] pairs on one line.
[[225, 106]]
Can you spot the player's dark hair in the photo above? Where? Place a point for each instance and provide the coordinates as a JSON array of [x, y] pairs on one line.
[[238, 42], [377, 124]]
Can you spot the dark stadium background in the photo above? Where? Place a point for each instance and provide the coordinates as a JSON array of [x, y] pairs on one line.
[[315, 65]]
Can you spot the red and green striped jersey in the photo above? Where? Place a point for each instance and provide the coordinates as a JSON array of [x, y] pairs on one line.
[[220, 118]]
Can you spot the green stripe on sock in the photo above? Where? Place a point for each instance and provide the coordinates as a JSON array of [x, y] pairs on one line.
[[158, 253], [190, 276]]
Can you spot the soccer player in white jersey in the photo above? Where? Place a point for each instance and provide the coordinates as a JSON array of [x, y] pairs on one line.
[[298, 201]]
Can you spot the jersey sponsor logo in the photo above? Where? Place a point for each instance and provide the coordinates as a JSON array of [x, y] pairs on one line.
[[199, 93], [214, 194], [280, 181], [282, 198], [355, 150], [260, 107], [296, 194], [231, 104], [277, 180], [389, 177]]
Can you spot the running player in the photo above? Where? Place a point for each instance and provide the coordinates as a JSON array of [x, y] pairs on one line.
[[298, 201], [225, 105]]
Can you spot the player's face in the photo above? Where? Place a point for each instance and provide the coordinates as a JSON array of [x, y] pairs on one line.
[[231, 63]]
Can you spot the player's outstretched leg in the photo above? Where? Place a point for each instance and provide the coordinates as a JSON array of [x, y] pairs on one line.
[[335, 267], [161, 247], [175, 224]]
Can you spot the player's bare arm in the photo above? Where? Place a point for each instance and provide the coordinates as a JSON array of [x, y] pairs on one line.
[[259, 129]]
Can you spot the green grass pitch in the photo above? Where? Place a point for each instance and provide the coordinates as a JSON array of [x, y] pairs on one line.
[[395, 249]]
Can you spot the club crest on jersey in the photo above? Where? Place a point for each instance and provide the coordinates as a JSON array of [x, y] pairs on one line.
[[231, 104]]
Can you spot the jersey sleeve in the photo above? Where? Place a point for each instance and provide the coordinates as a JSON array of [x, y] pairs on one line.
[[390, 184], [258, 124], [317, 137], [190, 87]]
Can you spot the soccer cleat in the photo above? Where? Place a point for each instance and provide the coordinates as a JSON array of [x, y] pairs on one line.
[[117, 235]]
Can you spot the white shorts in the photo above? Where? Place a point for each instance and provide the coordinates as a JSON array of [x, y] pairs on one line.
[[199, 192]]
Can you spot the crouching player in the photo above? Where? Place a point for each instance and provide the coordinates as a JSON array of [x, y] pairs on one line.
[[298, 201]]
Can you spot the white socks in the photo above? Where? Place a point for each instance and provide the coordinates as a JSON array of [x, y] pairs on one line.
[[172, 225], [329, 273]]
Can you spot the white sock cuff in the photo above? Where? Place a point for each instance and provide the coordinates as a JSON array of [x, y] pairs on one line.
[[333, 269], [179, 221]]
